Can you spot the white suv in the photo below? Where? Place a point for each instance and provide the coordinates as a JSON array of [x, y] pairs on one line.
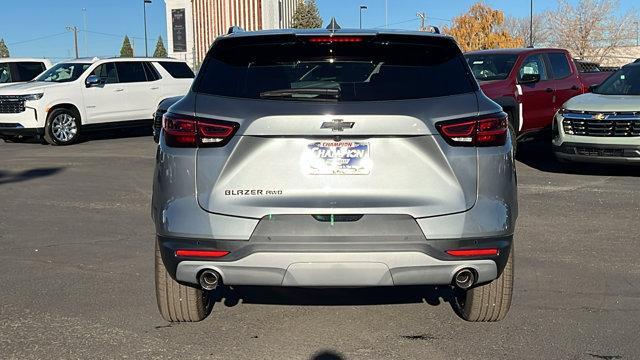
[[15, 70], [85, 94]]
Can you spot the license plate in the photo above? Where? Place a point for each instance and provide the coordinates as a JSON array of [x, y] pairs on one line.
[[337, 158]]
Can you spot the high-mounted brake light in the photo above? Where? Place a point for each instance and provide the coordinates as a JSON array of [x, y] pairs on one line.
[[335, 39], [487, 130], [188, 131], [201, 253], [473, 252]]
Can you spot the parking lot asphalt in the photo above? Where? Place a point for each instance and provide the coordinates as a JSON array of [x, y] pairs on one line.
[[76, 274]]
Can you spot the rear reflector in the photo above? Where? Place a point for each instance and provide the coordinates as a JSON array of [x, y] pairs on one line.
[[473, 252], [201, 253], [486, 130], [335, 39]]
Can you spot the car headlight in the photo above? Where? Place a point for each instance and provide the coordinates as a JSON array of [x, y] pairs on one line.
[[32, 97]]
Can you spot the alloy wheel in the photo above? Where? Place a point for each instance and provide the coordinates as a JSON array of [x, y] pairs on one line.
[[64, 127]]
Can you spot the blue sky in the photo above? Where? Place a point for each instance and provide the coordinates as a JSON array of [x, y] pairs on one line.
[[109, 20]]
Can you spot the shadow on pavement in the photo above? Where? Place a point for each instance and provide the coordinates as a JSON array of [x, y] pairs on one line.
[[433, 295], [539, 155], [326, 355], [118, 134], [14, 177], [109, 134]]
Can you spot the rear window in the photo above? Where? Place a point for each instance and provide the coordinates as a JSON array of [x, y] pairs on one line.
[[151, 72], [487, 66], [130, 71], [363, 69], [559, 65], [178, 70], [29, 70]]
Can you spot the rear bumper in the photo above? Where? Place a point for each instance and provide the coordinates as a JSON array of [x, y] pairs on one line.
[[343, 263], [336, 269], [598, 153]]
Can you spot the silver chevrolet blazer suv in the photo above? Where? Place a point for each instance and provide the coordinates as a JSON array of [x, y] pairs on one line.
[[334, 158]]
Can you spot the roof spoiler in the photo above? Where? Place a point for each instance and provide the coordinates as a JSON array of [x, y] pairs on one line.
[[234, 29]]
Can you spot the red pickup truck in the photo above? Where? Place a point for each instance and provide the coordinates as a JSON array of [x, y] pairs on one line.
[[530, 84]]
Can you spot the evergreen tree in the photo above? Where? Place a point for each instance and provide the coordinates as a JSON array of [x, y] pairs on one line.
[[161, 51], [307, 15], [4, 51], [127, 49]]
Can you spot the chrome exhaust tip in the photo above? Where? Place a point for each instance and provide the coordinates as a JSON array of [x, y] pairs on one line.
[[464, 278], [209, 279]]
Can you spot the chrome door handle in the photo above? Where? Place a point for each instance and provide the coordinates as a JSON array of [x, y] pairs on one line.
[[154, 88], [118, 90]]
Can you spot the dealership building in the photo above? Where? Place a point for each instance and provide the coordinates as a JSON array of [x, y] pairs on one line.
[[193, 25]]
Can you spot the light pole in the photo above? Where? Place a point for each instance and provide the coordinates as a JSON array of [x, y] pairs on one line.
[[144, 7], [386, 14], [531, 24], [84, 31], [422, 17], [75, 38], [362, 7]]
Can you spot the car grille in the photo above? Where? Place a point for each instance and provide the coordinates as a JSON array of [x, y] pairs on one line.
[[610, 124], [157, 119], [589, 151], [157, 123], [11, 104]]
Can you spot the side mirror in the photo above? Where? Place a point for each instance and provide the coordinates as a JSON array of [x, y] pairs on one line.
[[529, 78], [593, 87], [92, 80]]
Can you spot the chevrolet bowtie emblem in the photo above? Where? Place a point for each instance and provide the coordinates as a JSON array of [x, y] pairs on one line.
[[337, 125], [600, 117]]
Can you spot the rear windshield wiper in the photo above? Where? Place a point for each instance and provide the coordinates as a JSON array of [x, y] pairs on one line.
[[302, 93]]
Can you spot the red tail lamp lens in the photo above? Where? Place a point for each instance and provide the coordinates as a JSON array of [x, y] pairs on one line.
[[492, 131], [211, 133], [179, 132], [473, 252], [201, 253], [187, 131], [335, 39], [459, 132], [488, 130]]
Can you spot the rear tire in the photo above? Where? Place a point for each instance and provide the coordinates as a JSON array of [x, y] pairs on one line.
[[177, 302], [489, 302]]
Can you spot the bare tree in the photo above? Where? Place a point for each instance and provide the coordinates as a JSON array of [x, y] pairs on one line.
[[590, 28], [520, 28]]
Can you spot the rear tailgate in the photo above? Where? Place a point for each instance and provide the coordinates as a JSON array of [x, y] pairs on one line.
[[336, 124], [268, 168]]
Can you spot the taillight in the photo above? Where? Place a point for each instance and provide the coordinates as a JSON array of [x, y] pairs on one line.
[[335, 39], [487, 130], [188, 131]]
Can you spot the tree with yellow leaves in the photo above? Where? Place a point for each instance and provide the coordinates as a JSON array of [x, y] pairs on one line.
[[480, 29]]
